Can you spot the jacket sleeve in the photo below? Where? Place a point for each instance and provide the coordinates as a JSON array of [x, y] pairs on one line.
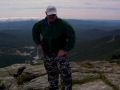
[[36, 34], [70, 33]]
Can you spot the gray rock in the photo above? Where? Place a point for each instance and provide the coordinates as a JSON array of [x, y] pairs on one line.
[[36, 69], [81, 76], [8, 71], [96, 85], [114, 78], [10, 83], [39, 83], [84, 70]]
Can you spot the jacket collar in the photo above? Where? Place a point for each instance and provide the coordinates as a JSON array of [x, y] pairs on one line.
[[46, 21]]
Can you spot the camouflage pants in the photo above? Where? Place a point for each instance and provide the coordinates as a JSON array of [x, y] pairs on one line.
[[55, 67]]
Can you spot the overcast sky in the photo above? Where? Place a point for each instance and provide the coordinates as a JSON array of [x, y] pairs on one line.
[[73, 9]]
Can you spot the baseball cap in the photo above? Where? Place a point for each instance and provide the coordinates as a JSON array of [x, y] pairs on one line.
[[51, 10]]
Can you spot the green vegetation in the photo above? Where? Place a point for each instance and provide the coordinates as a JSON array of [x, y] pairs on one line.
[[87, 65], [86, 80], [117, 61], [21, 79], [2, 86], [115, 56]]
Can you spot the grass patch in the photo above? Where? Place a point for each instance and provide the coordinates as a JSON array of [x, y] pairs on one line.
[[43, 74], [117, 61], [0, 81], [86, 80], [23, 78], [87, 65], [2, 86], [115, 56]]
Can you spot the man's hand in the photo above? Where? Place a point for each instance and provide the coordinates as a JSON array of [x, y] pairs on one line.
[[61, 53]]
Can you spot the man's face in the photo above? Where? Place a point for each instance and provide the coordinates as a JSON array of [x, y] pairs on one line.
[[51, 18]]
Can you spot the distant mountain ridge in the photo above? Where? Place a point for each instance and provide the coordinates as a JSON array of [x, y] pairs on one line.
[[81, 24], [94, 39]]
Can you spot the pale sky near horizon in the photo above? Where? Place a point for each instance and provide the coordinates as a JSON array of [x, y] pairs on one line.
[[70, 9]]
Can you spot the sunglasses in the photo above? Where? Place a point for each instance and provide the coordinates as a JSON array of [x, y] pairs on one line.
[[53, 15]]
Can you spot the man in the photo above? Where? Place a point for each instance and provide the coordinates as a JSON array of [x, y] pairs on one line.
[[57, 38]]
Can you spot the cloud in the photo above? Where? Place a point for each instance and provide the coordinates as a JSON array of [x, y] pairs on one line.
[[33, 7], [110, 0]]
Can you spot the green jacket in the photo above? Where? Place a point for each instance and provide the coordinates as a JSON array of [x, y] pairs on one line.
[[53, 37]]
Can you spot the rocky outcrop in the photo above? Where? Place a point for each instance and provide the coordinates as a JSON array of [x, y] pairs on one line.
[[87, 75]]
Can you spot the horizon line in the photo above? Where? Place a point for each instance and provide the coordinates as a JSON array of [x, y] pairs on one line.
[[38, 18]]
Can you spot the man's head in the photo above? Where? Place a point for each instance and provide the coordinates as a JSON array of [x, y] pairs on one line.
[[51, 13]]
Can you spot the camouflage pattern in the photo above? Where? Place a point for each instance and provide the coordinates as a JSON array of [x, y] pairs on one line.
[[55, 67]]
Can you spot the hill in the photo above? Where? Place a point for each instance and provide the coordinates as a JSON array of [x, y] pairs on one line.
[[92, 40]]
